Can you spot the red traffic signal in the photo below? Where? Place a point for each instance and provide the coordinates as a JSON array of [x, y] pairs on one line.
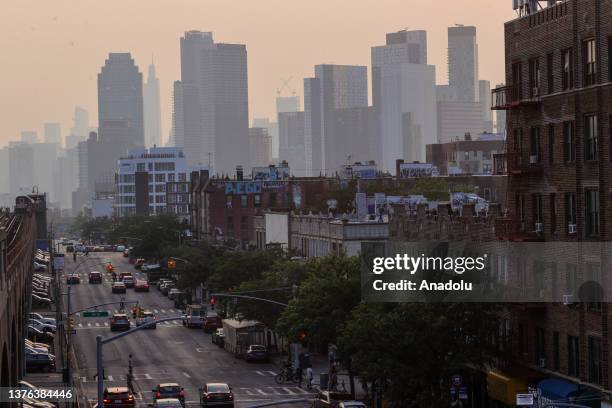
[[302, 335], [213, 301]]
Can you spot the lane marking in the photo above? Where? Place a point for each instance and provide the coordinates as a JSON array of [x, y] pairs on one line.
[[288, 391], [186, 375], [147, 376]]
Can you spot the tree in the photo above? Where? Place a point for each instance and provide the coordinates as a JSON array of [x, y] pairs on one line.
[[433, 188], [323, 301], [414, 348]]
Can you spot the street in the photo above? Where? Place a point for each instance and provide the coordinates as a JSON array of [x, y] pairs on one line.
[[170, 353]]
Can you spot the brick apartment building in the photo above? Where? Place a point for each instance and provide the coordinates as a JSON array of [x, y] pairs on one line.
[[559, 105]]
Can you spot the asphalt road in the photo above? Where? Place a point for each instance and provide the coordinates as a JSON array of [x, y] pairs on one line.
[[170, 353]]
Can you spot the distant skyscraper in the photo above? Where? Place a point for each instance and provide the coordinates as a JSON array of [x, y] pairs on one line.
[[152, 109], [463, 62], [272, 128], [177, 131], [334, 87], [5, 186], [120, 99], [260, 147], [45, 166], [21, 170], [53, 133], [79, 129], [29, 136], [287, 104], [291, 141], [484, 98], [214, 104], [404, 97]]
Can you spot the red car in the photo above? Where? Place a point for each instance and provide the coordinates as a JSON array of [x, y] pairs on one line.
[[118, 397], [212, 322], [139, 262], [141, 286], [73, 278]]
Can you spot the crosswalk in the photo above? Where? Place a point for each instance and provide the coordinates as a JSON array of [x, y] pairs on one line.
[[159, 312]]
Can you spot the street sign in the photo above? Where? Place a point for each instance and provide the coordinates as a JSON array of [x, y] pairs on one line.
[[457, 380], [524, 399], [95, 313], [58, 261]]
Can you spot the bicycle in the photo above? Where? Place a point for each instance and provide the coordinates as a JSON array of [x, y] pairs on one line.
[[287, 375]]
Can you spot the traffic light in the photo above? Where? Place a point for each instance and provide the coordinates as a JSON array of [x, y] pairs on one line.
[[70, 323], [171, 264], [302, 336], [110, 268], [213, 301]]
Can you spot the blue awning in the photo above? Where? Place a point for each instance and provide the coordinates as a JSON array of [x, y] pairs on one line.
[[556, 389]]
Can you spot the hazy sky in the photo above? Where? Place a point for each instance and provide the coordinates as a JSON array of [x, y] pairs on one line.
[[53, 50]]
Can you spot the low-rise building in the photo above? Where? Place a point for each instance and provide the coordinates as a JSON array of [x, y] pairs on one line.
[[471, 156]]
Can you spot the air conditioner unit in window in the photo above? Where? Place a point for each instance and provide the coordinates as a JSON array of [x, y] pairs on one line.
[[568, 300], [542, 362], [539, 227], [536, 91], [533, 159], [572, 229]]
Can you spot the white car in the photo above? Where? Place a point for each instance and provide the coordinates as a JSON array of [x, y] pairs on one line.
[[36, 346], [167, 403], [45, 320], [42, 326], [352, 404]]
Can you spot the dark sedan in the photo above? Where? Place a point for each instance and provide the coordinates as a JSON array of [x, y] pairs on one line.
[[217, 395]]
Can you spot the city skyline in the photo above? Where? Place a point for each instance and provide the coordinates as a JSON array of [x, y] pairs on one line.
[[33, 97]]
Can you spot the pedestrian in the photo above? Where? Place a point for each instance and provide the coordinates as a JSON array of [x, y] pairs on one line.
[[74, 256], [309, 378], [114, 275]]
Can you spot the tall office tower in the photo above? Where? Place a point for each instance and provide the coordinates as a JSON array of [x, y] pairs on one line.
[[272, 128], [260, 147], [29, 136], [79, 129], [463, 62], [484, 98], [214, 89], [291, 141], [334, 87], [45, 162], [152, 109], [21, 170], [120, 99], [287, 104], [177, 132], [4, 170], [404, 97], [53, 133], [500, 117]]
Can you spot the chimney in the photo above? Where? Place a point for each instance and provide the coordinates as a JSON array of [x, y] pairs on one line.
[[239, 173]]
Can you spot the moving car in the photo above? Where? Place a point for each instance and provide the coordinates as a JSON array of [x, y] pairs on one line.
[[216, 395], [118, 397], [257, 352], [126, 253], [194, 316], [141, 286], [169, 390], [145, 318], [120, 248], [352, 404], [95, 277], [128, 281], [119, 322], [40, 362], [167, 403], [174, 293], [41, 318], [73, 278], [118, 287], [165, 288], [212, 322], [218, 337], [139, 262]]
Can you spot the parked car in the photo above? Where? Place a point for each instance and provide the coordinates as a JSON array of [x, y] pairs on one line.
[[147, 317], [217, 394], [257, 352], [41, 301], [119, 322], [35, 334], [141, 286], [167, 403], [163, 281], [218, 337], [326, 399], [352, 404], [41, 318], [40, 362], [73, 278], [118, 287], [174, 293], [169, 390], [194, 316], [95, 277], [139, 262], [36, 346], [45, 327], [165, 288], [118, 397]]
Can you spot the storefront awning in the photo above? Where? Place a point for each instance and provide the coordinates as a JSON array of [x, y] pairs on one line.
[[503, 388], [557, 389]]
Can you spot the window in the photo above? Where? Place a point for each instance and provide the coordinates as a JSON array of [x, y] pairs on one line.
[[160, 188], [595, 361], [244, 201], [520, 208], [536, 200], [182, 177], [228, 201], [590, 137], [160, 178], [570, 211], [553, 213], [140, 167], [171, 177], [244, 222], [534, 150], [569, 142], [571, 279], [589, 62], [518, 145], [534, 77], [466, 155], [567, 73], [551, 143], [257, 200], [150, 166], [592, 212], [540, 345], [573, 356], [166, 166], [556, 354], [230, 226], [550, 73], [486, 155]]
